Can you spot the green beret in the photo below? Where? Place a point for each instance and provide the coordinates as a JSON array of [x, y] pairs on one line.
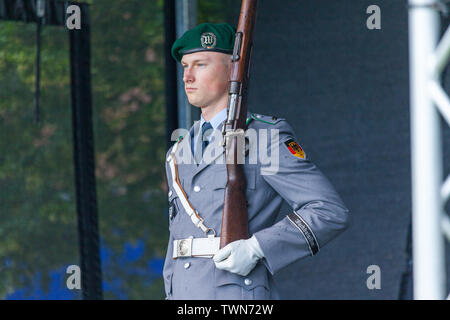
[[205, 37]]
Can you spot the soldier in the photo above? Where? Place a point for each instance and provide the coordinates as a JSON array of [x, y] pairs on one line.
[[195, 268]]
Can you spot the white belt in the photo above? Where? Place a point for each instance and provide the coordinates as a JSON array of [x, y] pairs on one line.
[[190, 211], [196, 247]]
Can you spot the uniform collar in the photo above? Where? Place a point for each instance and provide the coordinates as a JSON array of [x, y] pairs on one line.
[[216, 120]]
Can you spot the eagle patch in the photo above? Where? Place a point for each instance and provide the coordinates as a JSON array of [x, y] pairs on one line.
[[295, 148]]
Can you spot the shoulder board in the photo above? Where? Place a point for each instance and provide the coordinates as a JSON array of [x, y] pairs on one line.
[[249, 119], [263, 118], [180, 138]]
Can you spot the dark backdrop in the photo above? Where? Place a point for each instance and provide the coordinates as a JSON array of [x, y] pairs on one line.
[[344, 89]]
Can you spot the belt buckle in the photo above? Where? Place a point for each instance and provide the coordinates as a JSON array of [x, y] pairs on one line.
[[184, 248]]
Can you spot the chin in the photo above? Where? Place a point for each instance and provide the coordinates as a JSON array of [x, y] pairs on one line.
[[195, 104]]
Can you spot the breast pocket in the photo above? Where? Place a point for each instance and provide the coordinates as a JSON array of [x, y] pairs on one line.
[[218, 182]]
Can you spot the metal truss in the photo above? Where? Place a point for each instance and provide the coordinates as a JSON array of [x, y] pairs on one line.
[[428, 58]]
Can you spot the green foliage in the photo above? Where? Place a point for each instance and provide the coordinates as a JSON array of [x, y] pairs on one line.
[[38, 212], [37, 188]]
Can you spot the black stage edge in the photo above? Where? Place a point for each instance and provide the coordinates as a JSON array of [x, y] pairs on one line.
[[170, 71], [91, 278]]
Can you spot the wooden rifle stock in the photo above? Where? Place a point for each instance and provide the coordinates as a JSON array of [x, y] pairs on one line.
[[234, 216]]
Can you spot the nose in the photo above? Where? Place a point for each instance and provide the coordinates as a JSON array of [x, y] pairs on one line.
[[188, 75]]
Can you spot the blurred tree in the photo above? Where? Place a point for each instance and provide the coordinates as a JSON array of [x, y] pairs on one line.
[[36, 163], [37, 196]]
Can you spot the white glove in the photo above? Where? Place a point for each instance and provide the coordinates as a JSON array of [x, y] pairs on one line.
[[239, 256]]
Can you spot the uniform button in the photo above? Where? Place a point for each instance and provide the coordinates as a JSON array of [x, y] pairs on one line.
[[187, 265], [170, 193], [196, 188], [248, 282]]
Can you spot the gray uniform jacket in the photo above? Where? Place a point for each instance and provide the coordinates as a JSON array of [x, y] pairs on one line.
[[318, 216]]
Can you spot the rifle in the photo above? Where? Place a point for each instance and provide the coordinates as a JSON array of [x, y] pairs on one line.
[[234, 215]]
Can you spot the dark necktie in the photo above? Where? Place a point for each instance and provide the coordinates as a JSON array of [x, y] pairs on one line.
[[206, 126]]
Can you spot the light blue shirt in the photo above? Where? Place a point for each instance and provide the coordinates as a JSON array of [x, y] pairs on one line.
[[216, 120]]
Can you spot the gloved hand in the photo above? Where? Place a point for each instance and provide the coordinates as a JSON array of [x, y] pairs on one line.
[[239, 256]]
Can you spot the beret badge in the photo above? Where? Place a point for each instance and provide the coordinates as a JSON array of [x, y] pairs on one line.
[[208, 40]]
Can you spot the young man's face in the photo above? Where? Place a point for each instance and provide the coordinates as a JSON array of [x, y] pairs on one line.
[[206, 78]]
